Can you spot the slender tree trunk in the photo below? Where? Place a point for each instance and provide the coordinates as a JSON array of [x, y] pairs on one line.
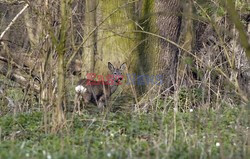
[[184, 76], [59, 116], [88, 57], [60, 48], [34, 24]]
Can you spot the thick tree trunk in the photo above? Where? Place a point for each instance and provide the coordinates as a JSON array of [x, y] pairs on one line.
[[169, 24], [157, 57], [116, 40], [148, 49]]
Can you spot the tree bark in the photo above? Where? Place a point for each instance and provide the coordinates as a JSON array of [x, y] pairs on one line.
[[184, 76], [116, 41], [34, 23], [157, 57], [169, 23], [88, 57], [148, 49], [61, 48]]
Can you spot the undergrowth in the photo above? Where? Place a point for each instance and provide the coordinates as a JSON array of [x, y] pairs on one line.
[[196, 133]]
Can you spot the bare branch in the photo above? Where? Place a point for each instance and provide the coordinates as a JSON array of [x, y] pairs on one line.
[[13, 21]]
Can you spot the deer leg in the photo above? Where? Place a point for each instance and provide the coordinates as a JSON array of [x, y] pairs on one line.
[[77, 103], [86, 98], [100, 105], [101, 102], [80, 90]]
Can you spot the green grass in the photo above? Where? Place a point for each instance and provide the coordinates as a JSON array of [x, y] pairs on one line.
[[130, 135]]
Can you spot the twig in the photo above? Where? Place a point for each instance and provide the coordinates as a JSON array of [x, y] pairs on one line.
[[13, 21]]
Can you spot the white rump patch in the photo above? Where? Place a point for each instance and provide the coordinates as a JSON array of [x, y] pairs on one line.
[[80, 89]]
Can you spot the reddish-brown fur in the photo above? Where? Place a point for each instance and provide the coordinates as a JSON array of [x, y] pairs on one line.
[[98, 93]]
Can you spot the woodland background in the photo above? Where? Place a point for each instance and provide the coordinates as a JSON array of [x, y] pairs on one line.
[[201, 48]]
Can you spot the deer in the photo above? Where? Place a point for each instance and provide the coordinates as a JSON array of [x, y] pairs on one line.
[[98, 92]]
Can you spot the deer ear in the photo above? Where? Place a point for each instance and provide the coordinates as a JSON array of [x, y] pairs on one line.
[[111, 67], [123, 66]]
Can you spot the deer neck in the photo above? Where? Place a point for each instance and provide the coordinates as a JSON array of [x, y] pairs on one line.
[[114, 87]]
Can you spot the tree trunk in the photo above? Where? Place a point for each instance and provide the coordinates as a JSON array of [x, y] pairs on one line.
[[169, 24], [34, 24], [184, 77], [148, 49], [159, 58], [116, 40], [60, 48], [88, 57]]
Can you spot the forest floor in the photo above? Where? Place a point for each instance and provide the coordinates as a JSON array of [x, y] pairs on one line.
[[121, 131], [198, 133]]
